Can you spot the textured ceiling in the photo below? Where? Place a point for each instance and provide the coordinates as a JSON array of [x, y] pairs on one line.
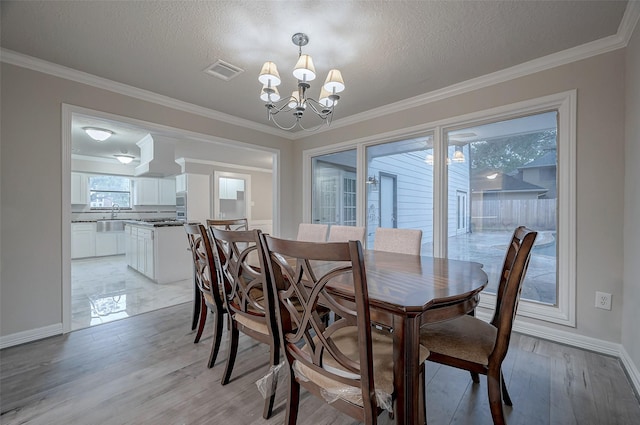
[[387, 50]]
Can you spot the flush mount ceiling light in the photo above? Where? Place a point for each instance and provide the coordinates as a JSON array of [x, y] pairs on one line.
[[298, 102], [124, 158], [98, 134]]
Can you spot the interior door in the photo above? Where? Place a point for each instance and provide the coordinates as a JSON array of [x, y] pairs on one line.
[[388, 201], [231, 195]]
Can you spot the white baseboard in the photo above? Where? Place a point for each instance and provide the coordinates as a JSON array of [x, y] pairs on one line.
[[30, 336], [631, 368], [578, 341]]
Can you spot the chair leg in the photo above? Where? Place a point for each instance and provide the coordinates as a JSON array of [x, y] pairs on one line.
[[232, 351], [274, 355], [475, 377], [422, 397], [495, 397], [505, 393], [196, 304], [203, 320], [218, 323], [293, 399]]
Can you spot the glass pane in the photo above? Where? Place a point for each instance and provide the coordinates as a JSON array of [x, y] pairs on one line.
[[106, 191], [110, 183], [334, 188], [232, 198], [500, 176], [400, 188]]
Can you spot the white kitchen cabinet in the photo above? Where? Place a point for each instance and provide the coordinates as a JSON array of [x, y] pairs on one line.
[[150, 191], [197, 187], [181, 183], [131, 235], [160, 253], [79, 189], [106, 243], [145, 191], [83, 240], [121, 241], [167, 191]]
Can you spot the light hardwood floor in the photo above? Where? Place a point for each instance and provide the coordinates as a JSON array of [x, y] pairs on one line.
[[147, 370]]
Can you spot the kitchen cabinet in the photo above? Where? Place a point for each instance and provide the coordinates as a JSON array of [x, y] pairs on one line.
[[83, 240], [110, 243], [151, 191], [160, 253], [167, 191], [197, 188], [106, 244], [79, 189], [230, 187]]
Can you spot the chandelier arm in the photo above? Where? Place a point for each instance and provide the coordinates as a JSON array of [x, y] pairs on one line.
[[272, 118], [323, 113]]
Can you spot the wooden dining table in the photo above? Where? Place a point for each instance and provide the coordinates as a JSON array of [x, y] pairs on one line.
[[405, 293]]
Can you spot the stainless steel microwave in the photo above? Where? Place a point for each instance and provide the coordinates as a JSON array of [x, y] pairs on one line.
[[181, 206]]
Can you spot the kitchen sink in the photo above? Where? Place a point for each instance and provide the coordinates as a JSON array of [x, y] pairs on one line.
[[110, 226]]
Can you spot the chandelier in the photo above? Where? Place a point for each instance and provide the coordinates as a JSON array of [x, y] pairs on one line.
[[298, 103]]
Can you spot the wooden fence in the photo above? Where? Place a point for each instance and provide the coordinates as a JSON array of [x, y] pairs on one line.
[[539, 214]]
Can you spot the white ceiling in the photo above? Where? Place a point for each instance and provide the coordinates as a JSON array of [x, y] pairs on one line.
[[387, 50]]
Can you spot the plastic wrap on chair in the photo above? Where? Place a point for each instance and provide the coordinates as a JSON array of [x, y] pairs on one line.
[[346, 392], [268, 383]]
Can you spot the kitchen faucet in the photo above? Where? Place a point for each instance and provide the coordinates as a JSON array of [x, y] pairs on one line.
[[115, 209]]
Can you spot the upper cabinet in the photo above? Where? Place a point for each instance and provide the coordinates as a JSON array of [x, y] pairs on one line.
[[150, 191], [79, 189], [167, 191]]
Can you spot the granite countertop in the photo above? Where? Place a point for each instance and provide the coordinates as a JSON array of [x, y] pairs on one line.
[[151, 222]]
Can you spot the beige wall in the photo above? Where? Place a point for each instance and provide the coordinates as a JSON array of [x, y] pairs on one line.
[[600, 170], [31, 174], [31, 183], [630, 328]]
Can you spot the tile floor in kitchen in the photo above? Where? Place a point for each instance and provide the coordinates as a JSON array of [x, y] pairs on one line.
[[104, 289]]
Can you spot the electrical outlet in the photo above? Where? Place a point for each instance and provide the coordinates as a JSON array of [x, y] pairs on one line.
[[603, 300]]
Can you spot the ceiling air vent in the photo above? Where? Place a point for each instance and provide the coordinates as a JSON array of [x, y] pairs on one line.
[[223, 70]]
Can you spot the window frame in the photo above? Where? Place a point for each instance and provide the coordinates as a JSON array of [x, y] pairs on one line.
[[564, 311]]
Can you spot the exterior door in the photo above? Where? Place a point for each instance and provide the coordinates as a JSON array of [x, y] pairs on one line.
[[388, 201]]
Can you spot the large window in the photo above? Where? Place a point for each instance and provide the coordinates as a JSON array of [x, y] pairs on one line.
[[502, 175], [107, 191], [334, 188], [467, 183]]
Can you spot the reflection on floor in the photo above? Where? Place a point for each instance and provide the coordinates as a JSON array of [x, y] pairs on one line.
[[104, 289]]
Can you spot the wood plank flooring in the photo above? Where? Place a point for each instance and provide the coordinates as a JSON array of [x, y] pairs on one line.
[[147, 370]]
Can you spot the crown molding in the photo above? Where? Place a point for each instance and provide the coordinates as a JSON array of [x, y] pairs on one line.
[[185, 161], [35, 64]]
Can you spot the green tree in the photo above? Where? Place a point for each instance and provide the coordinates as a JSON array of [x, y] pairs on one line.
[[506, 154]]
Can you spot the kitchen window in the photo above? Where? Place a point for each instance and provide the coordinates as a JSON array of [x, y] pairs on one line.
[[106, 191]]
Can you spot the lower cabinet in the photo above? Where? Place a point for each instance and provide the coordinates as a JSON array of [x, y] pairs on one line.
[[83, 240], [160, 253]]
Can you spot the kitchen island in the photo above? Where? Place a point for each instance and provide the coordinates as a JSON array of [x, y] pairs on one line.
[[158, 250]]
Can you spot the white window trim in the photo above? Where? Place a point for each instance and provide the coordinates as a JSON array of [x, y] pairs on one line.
[[565, 311]]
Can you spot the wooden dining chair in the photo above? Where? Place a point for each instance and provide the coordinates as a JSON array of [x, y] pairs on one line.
[[480, 347], [339, 233], [247, 299], [312, 232], [209, 287], [229, 224], [347, 363], [401, 241]]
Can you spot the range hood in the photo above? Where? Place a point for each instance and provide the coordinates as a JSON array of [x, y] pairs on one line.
[[157, 157]]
